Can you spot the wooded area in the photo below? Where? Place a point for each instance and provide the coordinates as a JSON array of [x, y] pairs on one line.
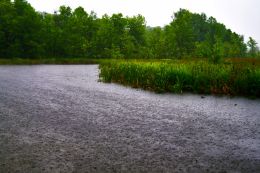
[[25, 33]]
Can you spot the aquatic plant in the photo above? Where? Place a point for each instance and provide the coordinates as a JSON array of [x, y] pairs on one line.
[[178, 77]]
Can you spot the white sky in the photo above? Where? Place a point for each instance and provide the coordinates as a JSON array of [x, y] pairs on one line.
[[241, 16]]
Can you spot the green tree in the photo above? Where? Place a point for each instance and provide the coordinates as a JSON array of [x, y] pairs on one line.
[[26, 33], [27, 27], [103, 38], [156, 43], [252, 44], [19, 30], [135, 40], [7, 22], [182, 34], [82, 30]]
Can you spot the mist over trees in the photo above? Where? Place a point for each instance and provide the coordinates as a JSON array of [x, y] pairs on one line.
[[25, 33]]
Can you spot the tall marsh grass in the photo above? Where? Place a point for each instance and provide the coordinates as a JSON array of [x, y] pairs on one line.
[[198, 77]]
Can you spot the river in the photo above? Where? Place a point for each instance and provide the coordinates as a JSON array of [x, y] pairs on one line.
[[57, 118]]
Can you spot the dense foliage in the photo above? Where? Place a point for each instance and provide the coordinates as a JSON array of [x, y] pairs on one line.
[[178, 77], [25, 33]]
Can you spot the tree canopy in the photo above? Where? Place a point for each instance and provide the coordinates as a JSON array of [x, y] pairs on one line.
[[25, 33]]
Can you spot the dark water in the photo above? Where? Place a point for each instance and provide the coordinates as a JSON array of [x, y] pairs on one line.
[[61, 119]]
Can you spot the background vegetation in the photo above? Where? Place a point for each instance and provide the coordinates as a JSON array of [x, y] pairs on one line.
[[25, 33], [205, 56]]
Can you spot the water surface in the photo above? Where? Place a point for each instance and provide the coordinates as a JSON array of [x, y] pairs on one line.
[[61, 119]]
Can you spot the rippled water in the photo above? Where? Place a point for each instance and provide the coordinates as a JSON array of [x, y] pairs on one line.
[[55, 117]]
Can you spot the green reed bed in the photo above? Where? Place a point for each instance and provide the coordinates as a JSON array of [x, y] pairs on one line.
[[197, 77]]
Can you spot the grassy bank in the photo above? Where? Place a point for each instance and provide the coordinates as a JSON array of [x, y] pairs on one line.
[[197, 76], [18, 61]]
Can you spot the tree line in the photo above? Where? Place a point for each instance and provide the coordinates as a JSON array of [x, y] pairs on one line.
[[25, 33]]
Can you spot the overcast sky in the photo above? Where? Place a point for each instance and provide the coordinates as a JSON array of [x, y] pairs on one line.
[[241, 16]]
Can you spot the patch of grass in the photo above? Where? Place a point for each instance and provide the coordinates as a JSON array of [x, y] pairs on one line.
[[181, 76]]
